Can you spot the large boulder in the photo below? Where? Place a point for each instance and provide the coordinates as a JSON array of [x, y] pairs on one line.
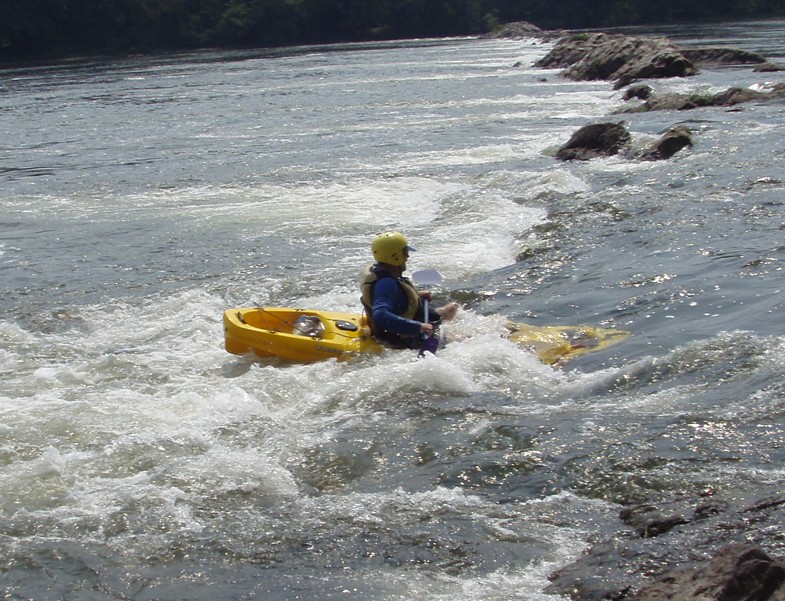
[[702, 548], [737, 572], [595, 140], [618, 58]]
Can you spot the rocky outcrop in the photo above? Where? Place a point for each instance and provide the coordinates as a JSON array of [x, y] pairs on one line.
[[618, 58], [698, 99], [625, 59], [705, 549], [595, 140]]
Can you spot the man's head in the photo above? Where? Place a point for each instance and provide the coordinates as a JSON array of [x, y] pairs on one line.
[[391, 248]]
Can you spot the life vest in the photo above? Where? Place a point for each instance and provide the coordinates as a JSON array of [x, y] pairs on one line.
[[372, 274]]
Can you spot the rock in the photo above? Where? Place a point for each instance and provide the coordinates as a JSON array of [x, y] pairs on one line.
[[674, 566], [648, 522], [768, 67], [731, 97], [519, 29], [522, 30], [595, 140], [640, 91], [625, 59], [719, 55], [607, 139], [709, 508], [737, 572], [766, 504], [570, 50], [734, 96], [670, 143], [619, 58], [727, 98]]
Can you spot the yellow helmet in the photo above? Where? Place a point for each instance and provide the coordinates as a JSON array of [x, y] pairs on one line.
[[391, 248]]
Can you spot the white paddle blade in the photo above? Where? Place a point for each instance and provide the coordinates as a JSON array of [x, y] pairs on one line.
[[427, 277]]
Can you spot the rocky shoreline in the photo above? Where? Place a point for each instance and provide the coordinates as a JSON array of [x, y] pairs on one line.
[[714, 545]]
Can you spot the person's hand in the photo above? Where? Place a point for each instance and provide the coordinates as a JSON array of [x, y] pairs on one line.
[[426, 328], [425, 294], [448, 311]]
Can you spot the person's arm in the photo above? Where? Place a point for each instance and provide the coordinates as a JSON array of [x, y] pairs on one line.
[[388, 299]]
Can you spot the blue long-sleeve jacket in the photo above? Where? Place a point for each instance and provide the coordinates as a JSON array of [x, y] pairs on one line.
[[389, 302]]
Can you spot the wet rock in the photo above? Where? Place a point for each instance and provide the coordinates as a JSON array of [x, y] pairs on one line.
[[703, 559], [698, 99], [619, 58], [521, 30], [737, 572], [625, 59], [570, 50], [768, 67], [607, 139], [708, 509], [719, 55], [767, 504], [595, 140], [640, 91], [674, 140], [648, 521]]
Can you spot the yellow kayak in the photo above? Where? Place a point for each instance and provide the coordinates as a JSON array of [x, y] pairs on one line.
[[297, 335], [306, 336]]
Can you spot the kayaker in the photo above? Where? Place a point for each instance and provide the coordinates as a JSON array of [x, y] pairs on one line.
[[393, 304]]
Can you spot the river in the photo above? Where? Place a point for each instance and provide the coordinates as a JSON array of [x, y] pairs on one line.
[[141, 197]]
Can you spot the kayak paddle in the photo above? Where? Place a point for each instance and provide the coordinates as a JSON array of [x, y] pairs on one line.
[[426, 278]]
